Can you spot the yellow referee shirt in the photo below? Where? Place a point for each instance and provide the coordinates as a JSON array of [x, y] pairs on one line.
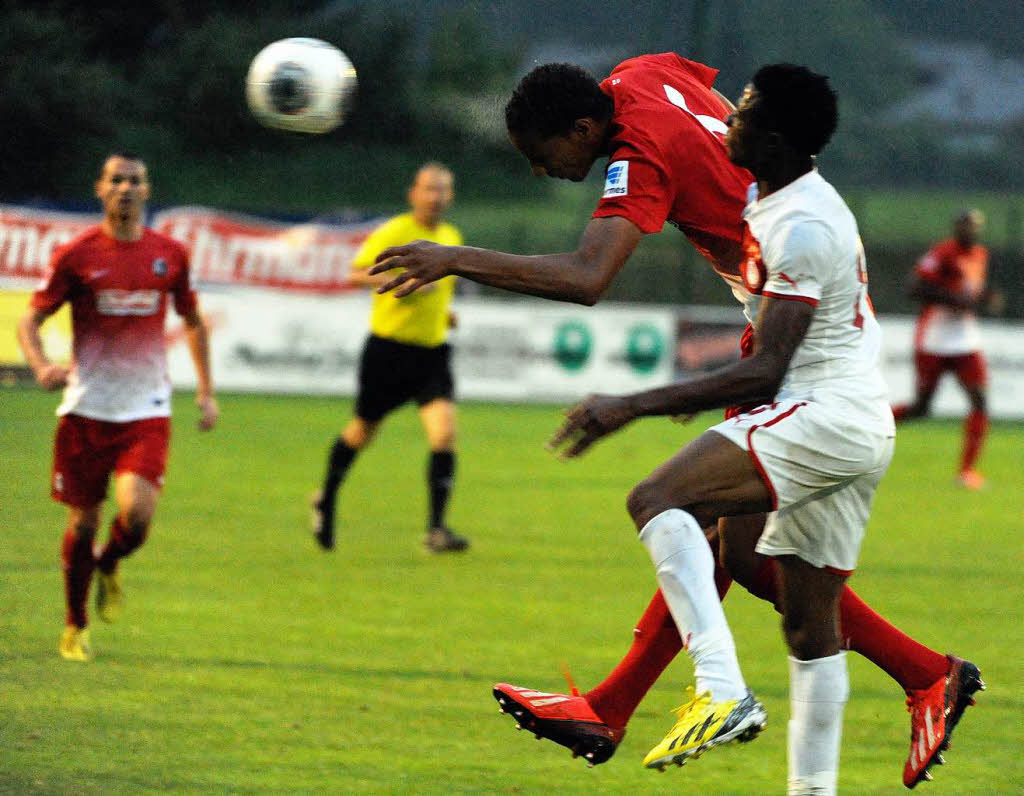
[[422, 318]]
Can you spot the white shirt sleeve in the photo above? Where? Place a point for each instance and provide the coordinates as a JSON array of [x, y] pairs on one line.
[[803, 263]]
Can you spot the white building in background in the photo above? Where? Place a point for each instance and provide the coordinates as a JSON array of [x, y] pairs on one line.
[[966, 90]]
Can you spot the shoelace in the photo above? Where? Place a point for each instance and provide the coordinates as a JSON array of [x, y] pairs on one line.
[[695, 701]]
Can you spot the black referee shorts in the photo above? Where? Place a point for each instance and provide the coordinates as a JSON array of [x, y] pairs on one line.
[[392, 373]]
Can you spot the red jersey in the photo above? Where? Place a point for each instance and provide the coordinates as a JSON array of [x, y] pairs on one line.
[[668, 160], [118, 294], [942, 329]]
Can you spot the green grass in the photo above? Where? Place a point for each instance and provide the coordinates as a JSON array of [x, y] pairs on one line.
[[248, 661]]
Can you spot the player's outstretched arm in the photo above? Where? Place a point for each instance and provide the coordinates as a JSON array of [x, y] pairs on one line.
[[198, 339], [49, 375], [781, 326], [581, 276]]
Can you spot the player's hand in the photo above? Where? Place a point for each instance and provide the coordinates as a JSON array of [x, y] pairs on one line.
[[208, 412], [52, 377], [424, 262], [682, 419], [453, 320], [587, 422]]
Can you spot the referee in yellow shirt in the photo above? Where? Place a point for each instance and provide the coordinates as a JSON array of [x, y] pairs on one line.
[[405, 359]]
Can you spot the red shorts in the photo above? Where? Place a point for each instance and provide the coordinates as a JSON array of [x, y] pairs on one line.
[[970, 369], [87, 451]]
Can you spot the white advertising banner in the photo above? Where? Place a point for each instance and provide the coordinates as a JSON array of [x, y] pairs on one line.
[[1003, 346], [271, 341]]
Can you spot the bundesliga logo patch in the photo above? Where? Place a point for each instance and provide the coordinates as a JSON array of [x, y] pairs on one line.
[[616, 180], [160, 266]]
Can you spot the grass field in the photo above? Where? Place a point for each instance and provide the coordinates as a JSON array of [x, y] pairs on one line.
[[248, 661]]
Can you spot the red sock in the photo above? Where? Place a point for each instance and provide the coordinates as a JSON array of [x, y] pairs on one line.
[[899, 413], [912, 665], [76, 554], [975, 427], [656, 642], [120, 544]]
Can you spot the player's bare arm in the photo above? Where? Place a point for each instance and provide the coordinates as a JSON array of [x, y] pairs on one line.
[[49, 375], [781, 326], [198, 339], [581, 276], [928, 292]]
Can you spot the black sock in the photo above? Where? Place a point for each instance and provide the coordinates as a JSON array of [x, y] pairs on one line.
[[338, 462], [440, 477]]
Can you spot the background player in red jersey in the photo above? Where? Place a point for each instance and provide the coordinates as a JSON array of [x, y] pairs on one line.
[[660, 124], [950, 282], [115, 416]]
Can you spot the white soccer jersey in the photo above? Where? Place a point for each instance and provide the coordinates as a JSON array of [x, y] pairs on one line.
[[803, 245]]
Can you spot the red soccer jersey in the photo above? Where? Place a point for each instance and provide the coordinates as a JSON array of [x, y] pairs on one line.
[[942, 329], [668, 161], [118, 293]]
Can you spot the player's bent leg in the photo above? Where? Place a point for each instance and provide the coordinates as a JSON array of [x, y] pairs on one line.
[[709, 478], [136, 503], [78, 565], [819, 682]]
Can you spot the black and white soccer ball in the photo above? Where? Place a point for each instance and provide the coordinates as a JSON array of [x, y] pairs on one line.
[[302, 85]]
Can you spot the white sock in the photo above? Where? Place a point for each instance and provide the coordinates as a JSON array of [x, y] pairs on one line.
[[682, 560], [818, 690]]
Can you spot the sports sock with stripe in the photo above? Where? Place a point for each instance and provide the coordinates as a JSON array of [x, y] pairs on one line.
[[685, 571]]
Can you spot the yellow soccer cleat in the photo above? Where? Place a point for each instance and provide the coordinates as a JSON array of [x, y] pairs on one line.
[[109, 596], [74, 644], [703, 724]]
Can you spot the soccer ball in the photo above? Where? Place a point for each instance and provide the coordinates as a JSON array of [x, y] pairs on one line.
[[303, 85]]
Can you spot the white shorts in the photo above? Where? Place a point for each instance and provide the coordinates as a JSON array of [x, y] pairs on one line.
[[821, 464]]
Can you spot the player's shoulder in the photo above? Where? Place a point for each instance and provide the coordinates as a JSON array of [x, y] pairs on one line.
[[659, 66], [158, 240], [82, 243]]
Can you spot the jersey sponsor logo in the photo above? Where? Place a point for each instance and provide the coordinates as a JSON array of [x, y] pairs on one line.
[[616, 179], [752, 269], [127, 302], [160, 266]]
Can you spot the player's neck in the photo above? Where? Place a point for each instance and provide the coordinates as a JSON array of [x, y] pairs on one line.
[[121, 228], [776, 175], [427, 222]]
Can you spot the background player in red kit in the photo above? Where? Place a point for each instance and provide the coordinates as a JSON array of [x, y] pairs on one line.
[[115, 416], [950, 282], [660, 124]]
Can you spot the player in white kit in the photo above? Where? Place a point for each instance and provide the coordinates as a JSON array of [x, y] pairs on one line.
[[812, 452]]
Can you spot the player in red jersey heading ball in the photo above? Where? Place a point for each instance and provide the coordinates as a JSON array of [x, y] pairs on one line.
[[661, 125], [115, 416]]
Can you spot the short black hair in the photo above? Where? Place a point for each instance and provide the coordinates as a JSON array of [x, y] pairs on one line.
[[123, 155], [553, 96], [798, 104]]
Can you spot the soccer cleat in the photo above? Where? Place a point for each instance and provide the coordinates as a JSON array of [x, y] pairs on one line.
[[703, 724], [444, 540], [74, 644], [109, 596], [934, 712], [971, 479], [566, 720], [321, 523]]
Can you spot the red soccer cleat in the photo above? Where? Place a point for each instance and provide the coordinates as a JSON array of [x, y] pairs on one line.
[[934, 712], [566, 720]]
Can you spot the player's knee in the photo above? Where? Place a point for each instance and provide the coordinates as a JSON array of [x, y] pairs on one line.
[[646, 501], [82, 529], [443, 440], [358, 434], [810, 637]]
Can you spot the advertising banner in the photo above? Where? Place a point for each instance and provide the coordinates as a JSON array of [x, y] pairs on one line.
[[503, 350]]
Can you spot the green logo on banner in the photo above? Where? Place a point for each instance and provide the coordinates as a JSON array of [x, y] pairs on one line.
[[644, 347], [573, 342]]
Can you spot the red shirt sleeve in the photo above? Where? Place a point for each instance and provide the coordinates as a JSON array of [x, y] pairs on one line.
[[58, 282], [636, 189], [185, 300]]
